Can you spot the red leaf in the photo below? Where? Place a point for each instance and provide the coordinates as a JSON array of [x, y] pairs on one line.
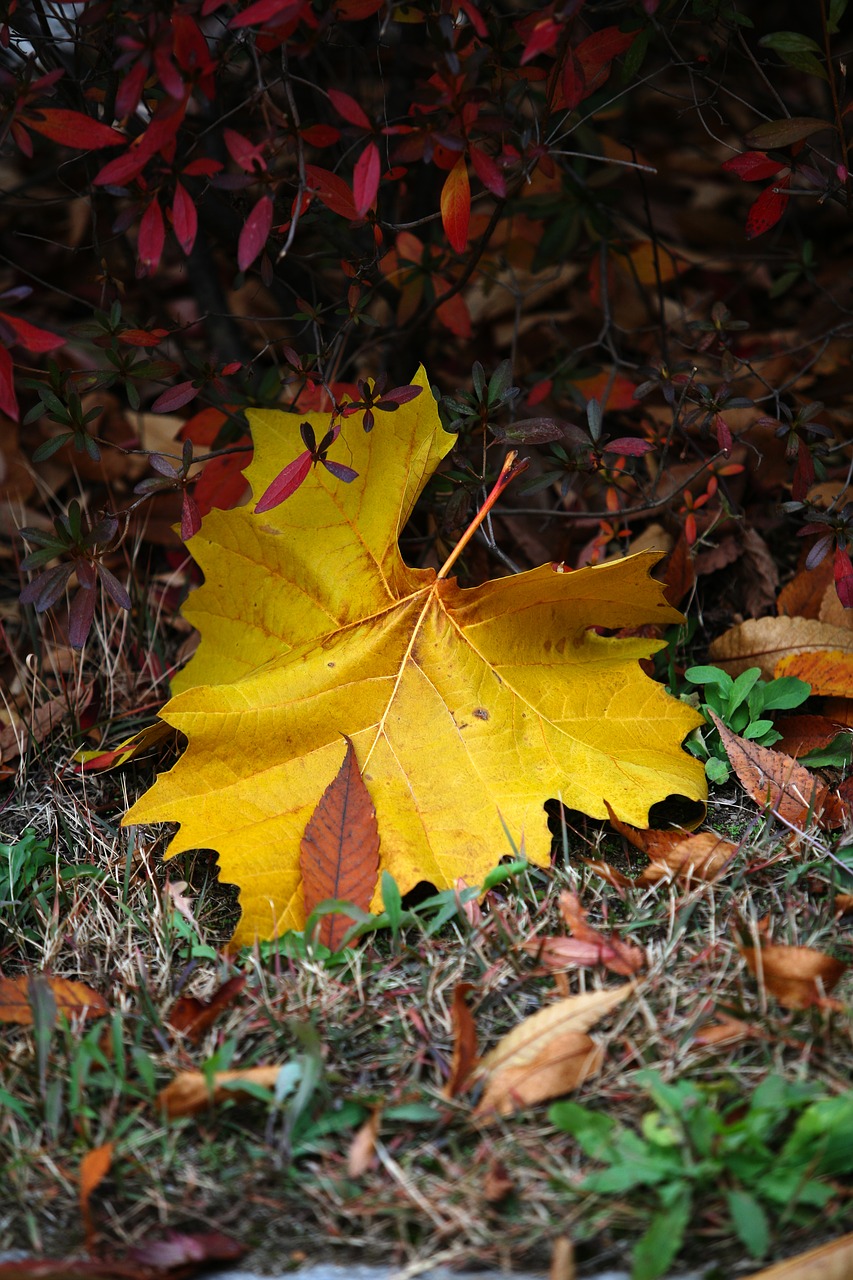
[[202, 168], [222, 483], [488, 172], [175, 398], [74, 129], [843, 571], [767, 211], [456, 205], [262, 10], [248, 155], [627, 446], [339, 853], [365, 178], [143, 337], [31, 337], [152, 237], [542, 39], [8, 399], [603, 46], [348, 108], [474, 17], [320, 135], [130, 90], [255, 231], [332, 191], [455, 316], [190, 517], [574, 82], [193, 1017], [124, 168], [184, 218], [285, 484], [752, 166]]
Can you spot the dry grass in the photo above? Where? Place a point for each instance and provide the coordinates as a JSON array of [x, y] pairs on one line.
[[104, 912]]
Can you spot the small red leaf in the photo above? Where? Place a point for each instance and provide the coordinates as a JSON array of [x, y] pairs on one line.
[[456, 205], [248, 155], [124, 168], [574, 82], [843, 572], [339, 853], [73, 129], [152, 237], [348, 108], [8, 399], [332, 191], [542, 39], [488, 172], [263, 10], [190, 517], [752, 166], [365, 178], [255, 231], [143, 337], [184, 218], [130, 90], [30, 336], [175, 397], [285, 484], [627, 446], [766, 211], [320, 135]]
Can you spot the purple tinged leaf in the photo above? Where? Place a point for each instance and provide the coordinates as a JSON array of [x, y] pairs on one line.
[[340, 471], [175, 397], [46, 589], [628, 446], [398, 396], [819, 551], [285, 484], [87, 575], [162, 465], [80, 617], [190, 517], [113, 587]]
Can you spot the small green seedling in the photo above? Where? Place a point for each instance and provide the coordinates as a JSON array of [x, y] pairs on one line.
[[770, 1159], [742, 704]]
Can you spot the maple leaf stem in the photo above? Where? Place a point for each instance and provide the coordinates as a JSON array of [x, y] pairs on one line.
[[510, 469]]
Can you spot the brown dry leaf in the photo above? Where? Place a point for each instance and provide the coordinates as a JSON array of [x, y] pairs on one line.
[[464, 1042], [94, 1167], [193, 1017], [562, 1260], [832, 611], [339, 852], [547, 1054], [761, 642], [498, 1182], [189, 1092], [773, 778], [16, 738], [16, 477], [803, 595], [829, 674], [680, 574], [726, 1030], [798, 977], [74, 999], [833, 1261], [761, 580], [840, 709], [617, 956], [843, 903], [363, 1146], [701, 856], [801, 734]]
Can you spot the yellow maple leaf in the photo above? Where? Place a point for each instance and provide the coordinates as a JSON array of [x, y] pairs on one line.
[[467, 708]]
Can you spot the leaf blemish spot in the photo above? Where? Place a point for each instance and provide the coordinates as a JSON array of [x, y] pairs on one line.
[[480, 713]]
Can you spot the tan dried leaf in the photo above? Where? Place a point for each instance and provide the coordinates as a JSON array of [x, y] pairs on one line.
[[189, 1092], [547, 1054], [761, 642], [363, 1146], [773, 778], [464, 1042], [798, 977], [833, 1261]]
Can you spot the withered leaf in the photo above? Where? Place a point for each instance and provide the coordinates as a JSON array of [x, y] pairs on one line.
[[74, 999], [774, 779], [833, 1261], [464, 1042], [761, 642], [828, 673], [193, 1017], [798, 977], [189, 1091]]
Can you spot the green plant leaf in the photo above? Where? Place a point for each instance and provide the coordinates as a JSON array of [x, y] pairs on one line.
[[659, 1247], [750, 1222]]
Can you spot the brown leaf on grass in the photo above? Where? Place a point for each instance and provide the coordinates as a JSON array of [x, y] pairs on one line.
[[761, 579], [840, 709], [175, 1258], [193, 1017], [339, 852], [618, 956], [15, 739], [761, 642], [546, 1055], [798, 977], [189, 1091], [833, 1261], [843, 903], [363, 1146], [464, 1042], [679, 574], [498, 1182], [673, 854], [774, 779], [94, 1167], [801, 734], [74, 999], [829, 674], [726, 1030], [803, 596], [833, 612]]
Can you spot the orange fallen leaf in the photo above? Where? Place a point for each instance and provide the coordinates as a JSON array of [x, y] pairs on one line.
[[618, 956], [803, 595], [843, 903], [801, 734], [774, 779], [798, 977], [840, 709], [74, 999], [833, 1261], [702, 856], [726, 1030], [339, 852], [193, 1017], [363, 1146], [828, 673], [94, 1167], [464, 1042], [761, 642], [189, 1092], [498, 1182], [546, 1055]]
